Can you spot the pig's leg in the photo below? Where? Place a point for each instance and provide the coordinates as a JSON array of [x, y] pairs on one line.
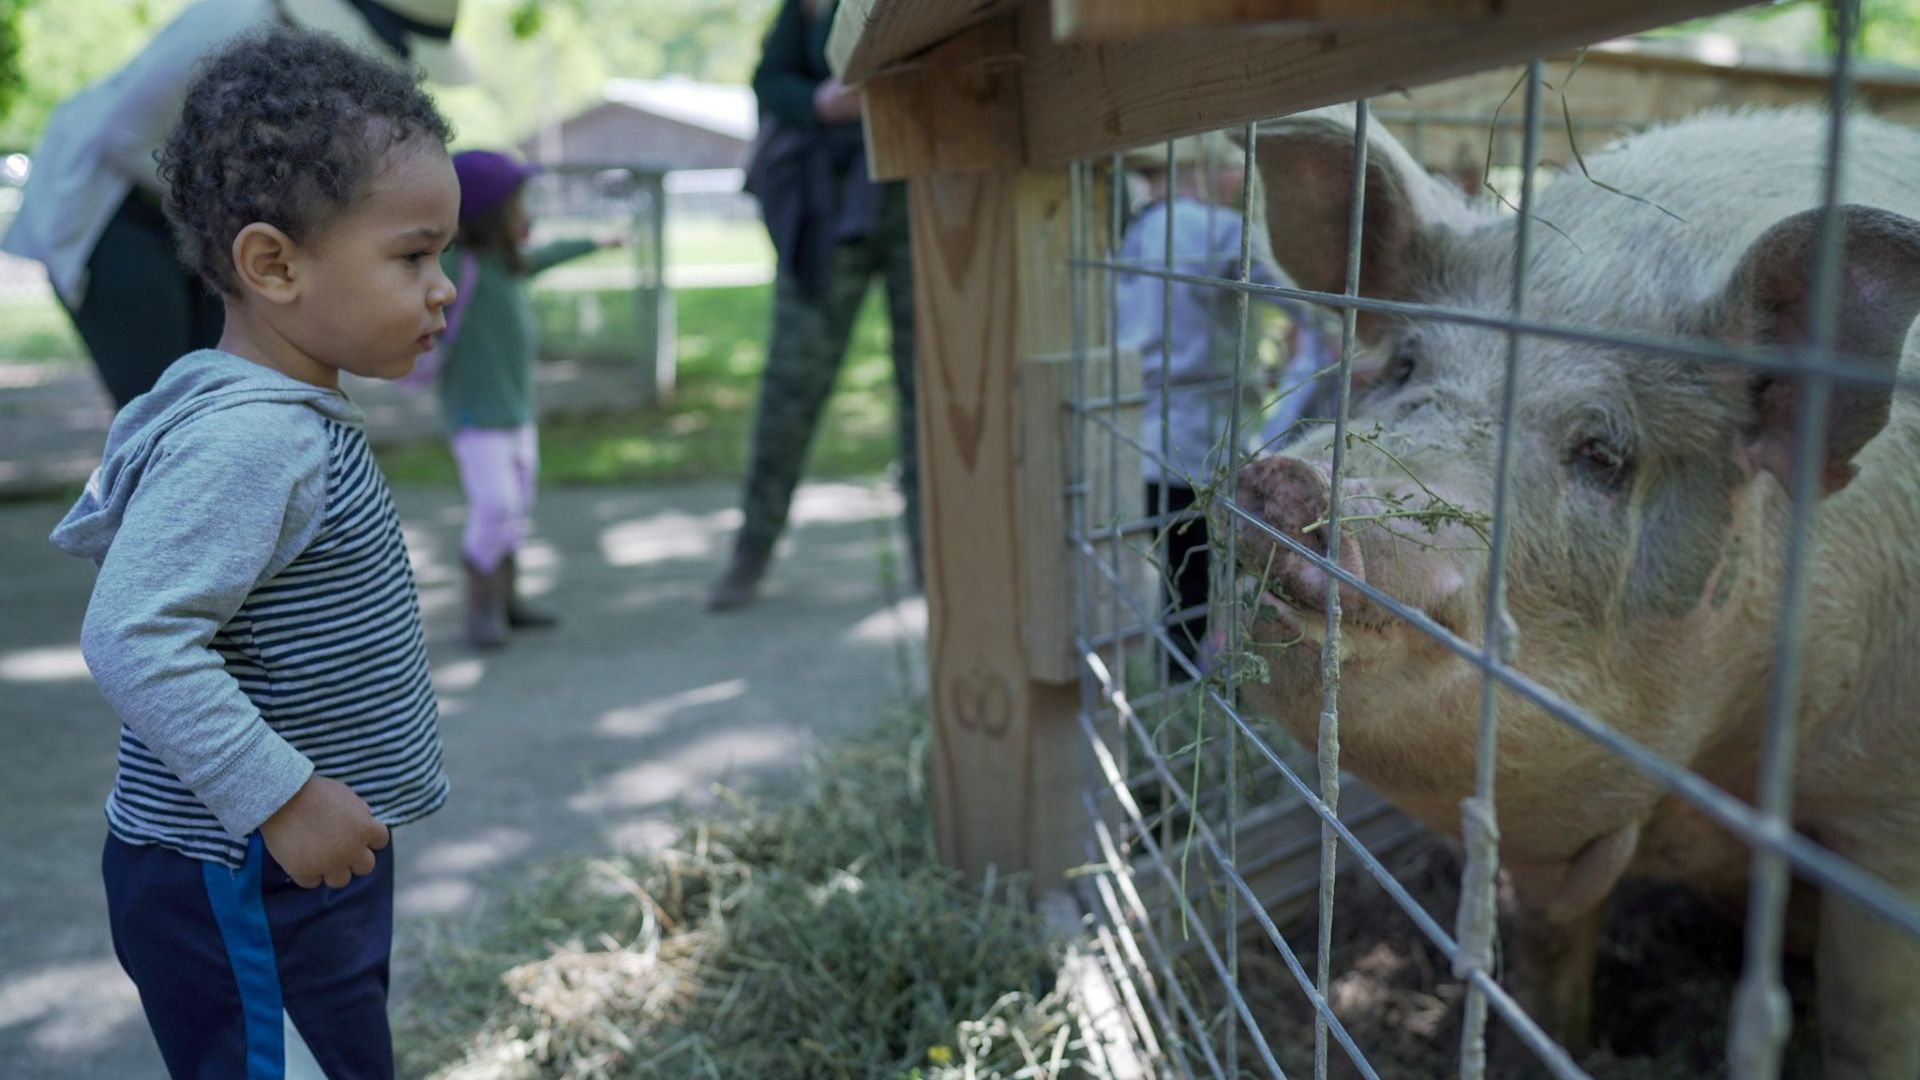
[[1869, 986], [1562, 908], [1552, 976]]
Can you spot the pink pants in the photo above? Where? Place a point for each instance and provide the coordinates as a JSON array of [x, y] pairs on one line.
[[497, 467]]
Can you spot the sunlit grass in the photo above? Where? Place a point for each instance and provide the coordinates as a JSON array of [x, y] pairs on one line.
[[703, 432]]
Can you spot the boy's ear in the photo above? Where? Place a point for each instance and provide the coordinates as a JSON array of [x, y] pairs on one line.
[[264, 261]]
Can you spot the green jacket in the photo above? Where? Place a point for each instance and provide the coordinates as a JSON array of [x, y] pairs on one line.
[[487, 380]]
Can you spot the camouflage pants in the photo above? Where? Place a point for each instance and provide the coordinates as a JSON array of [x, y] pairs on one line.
[[805, 350]]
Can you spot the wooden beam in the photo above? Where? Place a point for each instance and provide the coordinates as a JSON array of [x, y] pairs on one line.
[[956, 110], [870, 35], [1007, 749], [1110, 20], [1114, 492], [1079, 100]]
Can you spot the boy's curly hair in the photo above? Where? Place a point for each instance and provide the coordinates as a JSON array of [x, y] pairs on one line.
[[285, 127]]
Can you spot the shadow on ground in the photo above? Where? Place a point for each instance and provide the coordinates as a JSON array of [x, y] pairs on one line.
[[592, 736]]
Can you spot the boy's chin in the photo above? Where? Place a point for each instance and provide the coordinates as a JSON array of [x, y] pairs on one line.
[[398, 368]]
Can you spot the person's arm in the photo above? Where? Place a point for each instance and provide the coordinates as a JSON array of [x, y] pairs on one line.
[[222, 509], [549, 255], [149, 91], [784, 82]]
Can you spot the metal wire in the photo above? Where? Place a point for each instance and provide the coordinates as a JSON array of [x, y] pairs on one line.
[[1817, 863], [1229, 867], [1328, 748], [1223, 573], [1763, 359], [1762, 1016], [1516, 1018], [1479, 912], [1098, 550]]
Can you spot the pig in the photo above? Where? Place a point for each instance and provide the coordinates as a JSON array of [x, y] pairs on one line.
[[1649, 507]]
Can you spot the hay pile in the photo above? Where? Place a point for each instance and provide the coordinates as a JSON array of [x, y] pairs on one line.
[[816, 937]]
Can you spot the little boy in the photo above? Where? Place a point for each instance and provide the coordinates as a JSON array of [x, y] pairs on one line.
[[255, 623]]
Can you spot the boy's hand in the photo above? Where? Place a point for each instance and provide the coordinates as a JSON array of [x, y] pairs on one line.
[[325, 833]]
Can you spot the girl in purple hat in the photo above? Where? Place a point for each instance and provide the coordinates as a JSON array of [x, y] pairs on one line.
[[486, 383]]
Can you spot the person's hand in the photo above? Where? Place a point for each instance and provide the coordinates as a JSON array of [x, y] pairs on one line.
[[836, 103], [325, 833]]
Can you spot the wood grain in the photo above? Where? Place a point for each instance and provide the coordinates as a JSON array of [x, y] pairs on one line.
[[1007, 752], [868, 36], [1107, 20], [957, 110], [1084, 99]]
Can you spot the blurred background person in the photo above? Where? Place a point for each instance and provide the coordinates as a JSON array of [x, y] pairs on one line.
[[484, 365], [1186, 335], [91, 210], [833, 232]]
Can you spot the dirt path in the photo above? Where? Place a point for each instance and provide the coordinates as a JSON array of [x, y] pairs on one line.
[[586, 737]]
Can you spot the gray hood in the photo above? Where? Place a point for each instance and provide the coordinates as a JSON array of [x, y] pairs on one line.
[[195, 386]]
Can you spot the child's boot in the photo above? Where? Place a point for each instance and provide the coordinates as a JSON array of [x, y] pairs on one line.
[[487, 606], [520, 614]]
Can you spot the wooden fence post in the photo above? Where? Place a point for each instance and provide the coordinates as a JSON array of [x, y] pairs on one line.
[[991, 285]]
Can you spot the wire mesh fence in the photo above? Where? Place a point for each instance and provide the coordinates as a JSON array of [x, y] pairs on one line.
[[1535, 512]]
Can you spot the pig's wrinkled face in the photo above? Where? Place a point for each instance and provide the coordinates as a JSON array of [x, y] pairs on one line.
[[1625, 486]]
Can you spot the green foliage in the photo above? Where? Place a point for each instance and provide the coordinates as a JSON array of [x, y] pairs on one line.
[[10, 13], [538, 59], [1889, 29], [62, 45]]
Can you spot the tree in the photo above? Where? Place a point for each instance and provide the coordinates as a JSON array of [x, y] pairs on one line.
[[61, 46], [538, 59]]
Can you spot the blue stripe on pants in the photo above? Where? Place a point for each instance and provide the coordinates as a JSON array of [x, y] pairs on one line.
[[242, 917], [193, 936]]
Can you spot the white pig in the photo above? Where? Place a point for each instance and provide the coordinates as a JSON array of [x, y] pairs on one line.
[[1650, 508]]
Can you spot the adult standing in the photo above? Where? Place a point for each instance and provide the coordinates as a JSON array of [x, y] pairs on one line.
[[833, 231], [91, 211]]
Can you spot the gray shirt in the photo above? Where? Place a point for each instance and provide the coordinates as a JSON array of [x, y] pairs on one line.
[[255, 618]]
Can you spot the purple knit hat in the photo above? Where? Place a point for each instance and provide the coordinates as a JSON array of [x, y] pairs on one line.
[[487, 179]]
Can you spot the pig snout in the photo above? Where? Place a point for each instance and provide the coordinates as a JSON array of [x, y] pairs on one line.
[[1293, 497]]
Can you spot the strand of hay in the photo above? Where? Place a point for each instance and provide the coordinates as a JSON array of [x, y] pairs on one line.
[[816, 937]]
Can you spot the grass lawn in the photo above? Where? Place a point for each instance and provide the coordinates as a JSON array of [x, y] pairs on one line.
[[702, 434], [33, 329]]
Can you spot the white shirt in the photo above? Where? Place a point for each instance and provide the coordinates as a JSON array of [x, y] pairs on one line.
[[101, 142], [1185, 335]]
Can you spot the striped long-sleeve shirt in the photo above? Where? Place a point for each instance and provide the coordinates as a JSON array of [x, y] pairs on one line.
[[255, 620]]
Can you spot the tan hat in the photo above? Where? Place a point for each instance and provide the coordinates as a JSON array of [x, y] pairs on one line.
[[1188, 152], [422, 30]]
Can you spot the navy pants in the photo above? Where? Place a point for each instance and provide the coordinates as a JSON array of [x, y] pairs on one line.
[[218, 954]]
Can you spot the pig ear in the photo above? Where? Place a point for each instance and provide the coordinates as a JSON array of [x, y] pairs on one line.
[[1304, 165], [1769, 301]]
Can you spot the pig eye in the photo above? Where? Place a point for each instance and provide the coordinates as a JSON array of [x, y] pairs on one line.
[[1400, 371], [1601, 464]]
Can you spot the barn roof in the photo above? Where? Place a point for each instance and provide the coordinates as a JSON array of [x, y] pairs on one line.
[[719, 107]]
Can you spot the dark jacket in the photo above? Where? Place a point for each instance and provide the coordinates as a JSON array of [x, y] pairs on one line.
[[810, 178]]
